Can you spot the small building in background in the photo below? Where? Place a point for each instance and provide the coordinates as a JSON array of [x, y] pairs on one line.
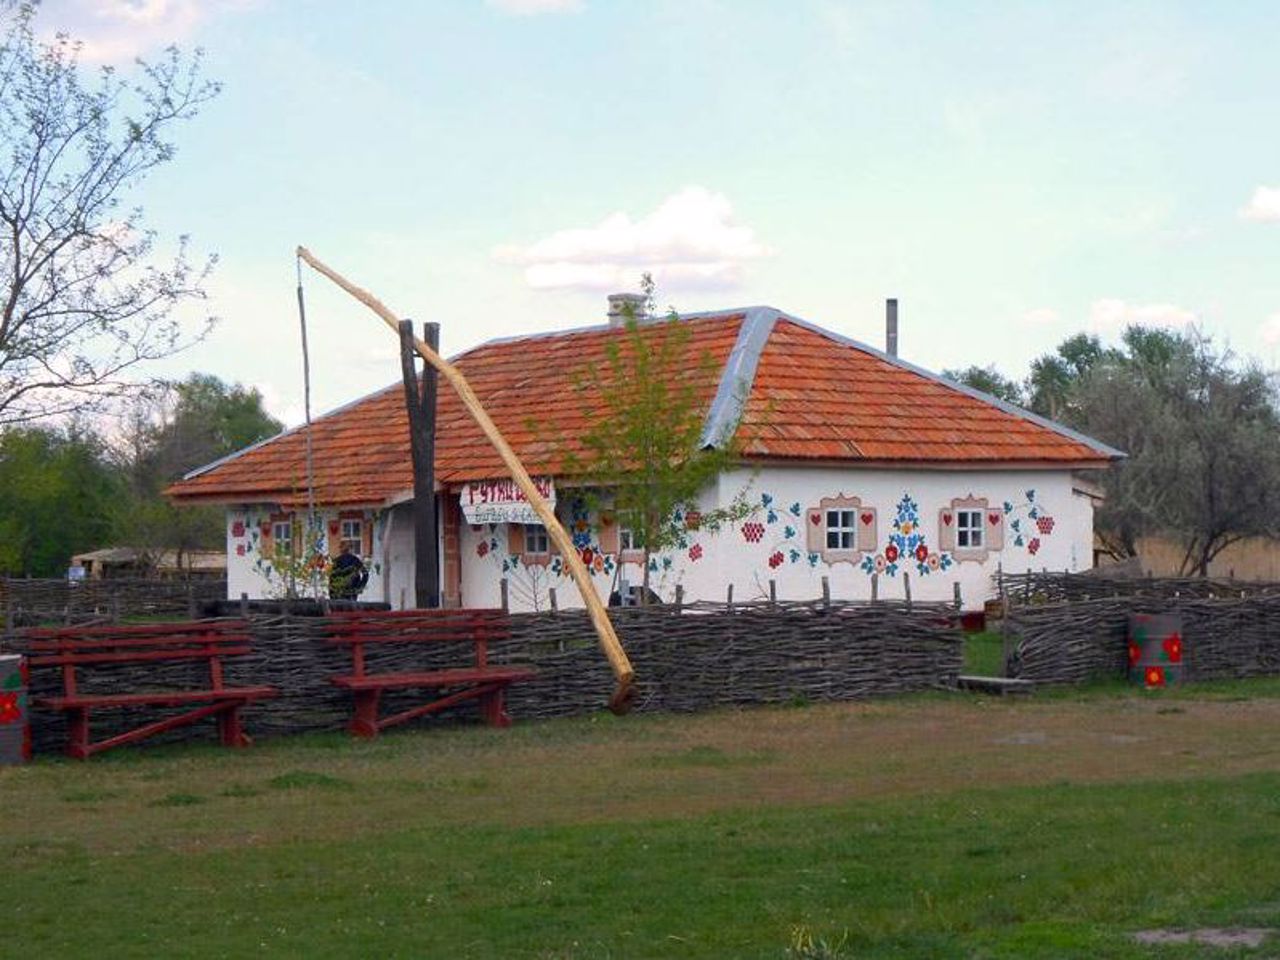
[[165, 563]]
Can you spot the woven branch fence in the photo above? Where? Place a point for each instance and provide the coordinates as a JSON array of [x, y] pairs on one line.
[[690, 658], [1023, 589], [1223, 637], [28, 602]]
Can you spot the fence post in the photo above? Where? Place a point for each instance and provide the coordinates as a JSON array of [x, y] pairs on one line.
[[244, 606], [729, 598], [502, 586], [551, 596], [191, 600], [773, 592], [679, 597], [906, 586], [956, 585], [826, 593], [875, 587]]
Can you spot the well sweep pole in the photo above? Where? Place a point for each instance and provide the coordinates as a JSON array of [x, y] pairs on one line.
[[618, 660]]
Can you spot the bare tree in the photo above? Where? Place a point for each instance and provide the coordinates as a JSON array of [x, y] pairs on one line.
[[85, 295]]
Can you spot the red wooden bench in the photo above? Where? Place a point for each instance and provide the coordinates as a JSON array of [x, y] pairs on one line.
[[75, 648], [483, 682]]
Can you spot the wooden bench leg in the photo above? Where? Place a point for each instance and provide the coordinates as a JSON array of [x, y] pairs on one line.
[[365, 721], [78, 733], [229, 728], [492, 709]]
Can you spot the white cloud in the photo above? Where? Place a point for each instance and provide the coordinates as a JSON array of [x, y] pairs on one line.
[[1263, 206], [115, 31], [690, 242], [1113, 316], [1041, 317], [1270, 330], [530, 8]]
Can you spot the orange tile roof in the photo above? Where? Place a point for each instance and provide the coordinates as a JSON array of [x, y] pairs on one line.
[[814, 397]]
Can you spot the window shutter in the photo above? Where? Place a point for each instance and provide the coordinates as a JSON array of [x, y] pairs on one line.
[[947, 529], [868, 536], [815, 525], [608, 534], [366, 535], [993, 528], [515, 538]]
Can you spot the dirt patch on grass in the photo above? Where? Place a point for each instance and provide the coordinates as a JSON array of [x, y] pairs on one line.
[[643, 767]]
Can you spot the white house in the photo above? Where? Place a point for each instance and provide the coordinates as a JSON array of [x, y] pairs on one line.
[[859, 465]]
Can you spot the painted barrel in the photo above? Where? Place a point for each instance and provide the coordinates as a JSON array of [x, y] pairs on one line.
[[15, 725], [1155, 649]]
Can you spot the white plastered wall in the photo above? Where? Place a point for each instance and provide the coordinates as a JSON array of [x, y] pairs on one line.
[[1039, 508], [250, 572]]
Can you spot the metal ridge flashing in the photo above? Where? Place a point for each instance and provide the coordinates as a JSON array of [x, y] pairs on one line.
[[1111, 453], [738, 375]]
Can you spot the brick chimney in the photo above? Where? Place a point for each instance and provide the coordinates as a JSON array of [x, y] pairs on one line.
[[624, 306]]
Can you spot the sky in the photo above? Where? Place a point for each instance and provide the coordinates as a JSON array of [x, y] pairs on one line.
[[1013, 173]]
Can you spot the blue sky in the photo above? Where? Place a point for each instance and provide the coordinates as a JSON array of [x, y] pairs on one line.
[[1013, 173]]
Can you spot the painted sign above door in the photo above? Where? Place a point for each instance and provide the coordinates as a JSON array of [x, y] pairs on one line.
[[501, 501]]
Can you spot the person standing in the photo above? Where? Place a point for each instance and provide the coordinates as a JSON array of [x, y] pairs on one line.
[[348, 575]]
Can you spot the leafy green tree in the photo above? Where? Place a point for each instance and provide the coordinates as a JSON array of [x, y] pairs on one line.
[[58, 494], [170, 430], [1203, 438], [84, 296], [1055, 377], [988, 380], [644, 456]]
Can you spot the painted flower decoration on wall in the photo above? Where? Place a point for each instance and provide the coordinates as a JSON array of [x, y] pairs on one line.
[[9, 710], [906, 543], [1154, 676], [1172, 646]]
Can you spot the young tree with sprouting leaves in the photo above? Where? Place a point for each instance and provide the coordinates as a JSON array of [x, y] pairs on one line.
[[645, 458], [86, 294]]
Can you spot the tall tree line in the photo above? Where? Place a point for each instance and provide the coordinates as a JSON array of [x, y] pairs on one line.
[[69, 488], [1200, 427]]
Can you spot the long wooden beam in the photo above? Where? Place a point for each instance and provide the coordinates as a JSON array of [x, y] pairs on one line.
[[620, 702]]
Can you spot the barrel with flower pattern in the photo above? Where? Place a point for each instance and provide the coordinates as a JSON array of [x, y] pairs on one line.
[[15, 728], [1155, 649]]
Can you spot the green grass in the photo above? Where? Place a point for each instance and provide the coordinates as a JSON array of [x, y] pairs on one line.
[[1054, 871], [984, 654], [960, 827]]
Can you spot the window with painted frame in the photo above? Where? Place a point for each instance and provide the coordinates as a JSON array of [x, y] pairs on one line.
[[969, 528], [351, 534], [282, 535], [841, 529], [530, 542]]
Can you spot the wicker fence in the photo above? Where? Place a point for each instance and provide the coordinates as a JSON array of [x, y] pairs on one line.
[[27, 602], [1223, 636], [691, 658], [1032, 588]]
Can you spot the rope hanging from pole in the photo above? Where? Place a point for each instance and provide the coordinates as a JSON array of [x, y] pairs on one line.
[[312, 525], [620, 701]]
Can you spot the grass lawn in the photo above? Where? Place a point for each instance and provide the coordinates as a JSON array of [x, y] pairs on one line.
[[938, 826], [984, 654]]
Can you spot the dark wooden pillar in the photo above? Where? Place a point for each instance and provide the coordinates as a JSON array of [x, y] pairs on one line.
[[420, 400]]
